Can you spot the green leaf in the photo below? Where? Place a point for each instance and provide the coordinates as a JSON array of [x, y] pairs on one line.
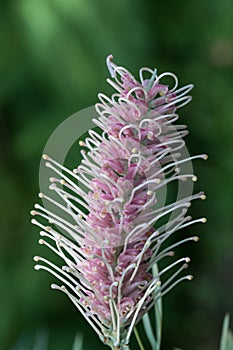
[[41, 340], [78, 342], [155, 342], [138, 339], [158, 312], [149, 331], [226, 342], [225, 327]]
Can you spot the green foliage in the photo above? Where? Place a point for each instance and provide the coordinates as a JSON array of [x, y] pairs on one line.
[[154, 335], [41, 342], [78, 342], [226, 342]]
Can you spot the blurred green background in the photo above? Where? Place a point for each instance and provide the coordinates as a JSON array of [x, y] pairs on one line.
[[52, 64]]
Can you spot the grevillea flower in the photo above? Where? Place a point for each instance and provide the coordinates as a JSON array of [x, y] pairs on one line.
[[114, 235]]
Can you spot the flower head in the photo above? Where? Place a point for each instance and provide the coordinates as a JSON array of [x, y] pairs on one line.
[[114, 233]]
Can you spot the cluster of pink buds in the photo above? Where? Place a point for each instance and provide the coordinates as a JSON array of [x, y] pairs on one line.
[[114, 225]]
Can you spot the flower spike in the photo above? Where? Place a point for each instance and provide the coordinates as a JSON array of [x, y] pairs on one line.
[[106, 225]]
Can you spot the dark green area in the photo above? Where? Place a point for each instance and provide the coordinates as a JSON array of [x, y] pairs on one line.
[[52, 65]]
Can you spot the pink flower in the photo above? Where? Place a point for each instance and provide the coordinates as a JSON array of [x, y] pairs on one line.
[[110, 250]]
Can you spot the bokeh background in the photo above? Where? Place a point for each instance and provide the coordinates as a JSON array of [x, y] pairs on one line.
[[52, 64]]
